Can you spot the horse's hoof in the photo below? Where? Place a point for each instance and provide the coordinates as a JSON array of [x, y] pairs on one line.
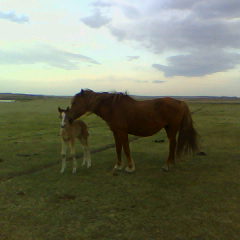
[[165, 168], [130, 170], [117, 167]]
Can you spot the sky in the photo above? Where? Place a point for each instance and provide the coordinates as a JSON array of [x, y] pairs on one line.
[[147, 47]]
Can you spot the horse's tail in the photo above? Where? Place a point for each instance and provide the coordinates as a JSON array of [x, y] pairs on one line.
[[187, 137]]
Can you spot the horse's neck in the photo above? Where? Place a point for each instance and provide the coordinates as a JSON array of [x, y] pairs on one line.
[[92, 102], [103, 112], [98, 107]]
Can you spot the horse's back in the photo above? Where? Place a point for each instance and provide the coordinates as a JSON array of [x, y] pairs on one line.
[[152, 115], [161, 108], [169, 108]]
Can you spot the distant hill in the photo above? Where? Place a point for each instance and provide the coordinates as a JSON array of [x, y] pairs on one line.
[[25, 97], [193, 98]]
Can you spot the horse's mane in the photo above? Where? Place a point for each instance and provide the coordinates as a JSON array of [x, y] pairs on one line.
[[110, 99]]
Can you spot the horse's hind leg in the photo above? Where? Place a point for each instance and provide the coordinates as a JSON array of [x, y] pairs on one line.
[[86, 152], [64, 156], [171, 133], [73, 155], [88, 156]]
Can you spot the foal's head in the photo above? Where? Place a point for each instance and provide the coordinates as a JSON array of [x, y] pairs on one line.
[[63, 115]]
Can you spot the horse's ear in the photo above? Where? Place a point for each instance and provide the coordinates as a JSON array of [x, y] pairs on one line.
[[59, 109], [82, 92], [67, 109]]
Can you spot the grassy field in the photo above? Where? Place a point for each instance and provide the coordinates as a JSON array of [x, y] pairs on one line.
[[197, 200]]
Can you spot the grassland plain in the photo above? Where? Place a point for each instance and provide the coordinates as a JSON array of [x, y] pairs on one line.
[[197, 200]]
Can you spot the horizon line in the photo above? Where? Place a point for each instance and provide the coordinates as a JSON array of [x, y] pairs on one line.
[[137, 95]]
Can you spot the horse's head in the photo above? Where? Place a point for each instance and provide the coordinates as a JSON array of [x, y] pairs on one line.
[[80, 104], [64, 116]]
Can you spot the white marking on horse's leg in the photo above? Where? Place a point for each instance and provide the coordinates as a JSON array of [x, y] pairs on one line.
[[84, 156], [88, 155], [73, 155], [63, 164], [165, 167], [118, 167], [74, 165], [84, 159], [64, 156], [132, 168], [83, 162]]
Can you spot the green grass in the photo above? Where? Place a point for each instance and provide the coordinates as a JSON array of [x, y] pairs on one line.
[[197, 200]]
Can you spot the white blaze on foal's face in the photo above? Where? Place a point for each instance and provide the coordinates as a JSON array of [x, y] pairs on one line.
[[63, 117]]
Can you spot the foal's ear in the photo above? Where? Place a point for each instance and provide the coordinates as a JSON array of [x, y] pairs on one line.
[[59, 109], [67, 109]]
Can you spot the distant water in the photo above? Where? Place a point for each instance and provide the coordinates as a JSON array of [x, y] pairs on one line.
[[7, 101]]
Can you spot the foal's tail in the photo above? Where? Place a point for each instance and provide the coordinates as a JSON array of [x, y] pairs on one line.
[[187, 137]]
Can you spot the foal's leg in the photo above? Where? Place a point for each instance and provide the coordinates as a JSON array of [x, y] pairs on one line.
[[84, 157], [87, 155], [171, 133], [73, 155], [86, 152], [118, 145], [64, 155]]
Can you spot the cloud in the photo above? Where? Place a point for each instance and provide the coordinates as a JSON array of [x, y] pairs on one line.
[[130, 11], [47, 55], [154, 81], [141, 81], [131, 58], [203, 8], [195, 34], [180, 4], [199, 63], [11, 16], [96, 20], [158, 81], [180, 34], [100, 3]]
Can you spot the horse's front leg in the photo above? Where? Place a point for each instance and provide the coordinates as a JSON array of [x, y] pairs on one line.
[[131, 165], [73, 155], [64, 156], [118, 145]]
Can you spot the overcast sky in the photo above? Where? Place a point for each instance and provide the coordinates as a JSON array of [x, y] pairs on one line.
[[148, 47]]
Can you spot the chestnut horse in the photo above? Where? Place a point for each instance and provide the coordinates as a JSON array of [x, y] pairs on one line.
[[125, 115]]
